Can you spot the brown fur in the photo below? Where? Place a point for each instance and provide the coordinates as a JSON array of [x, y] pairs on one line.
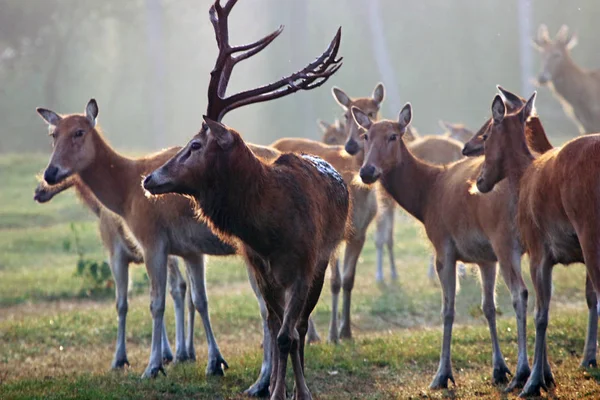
[[577, 90], [556, 215], [287, 216], [461, 227], [333, 134]]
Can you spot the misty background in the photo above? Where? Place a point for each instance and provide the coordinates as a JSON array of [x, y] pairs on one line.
[[147, 63]]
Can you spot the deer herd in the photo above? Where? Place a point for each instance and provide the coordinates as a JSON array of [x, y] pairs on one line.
[[285, 208]]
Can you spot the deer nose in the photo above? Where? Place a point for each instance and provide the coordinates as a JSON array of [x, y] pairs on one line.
[[351, 147], [147, 181], [51, 174], [369, 174]]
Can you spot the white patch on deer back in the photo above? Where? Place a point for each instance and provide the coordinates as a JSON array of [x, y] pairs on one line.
[[323, 167]]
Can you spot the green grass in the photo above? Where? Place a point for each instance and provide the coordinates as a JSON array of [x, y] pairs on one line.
[[56, 341]]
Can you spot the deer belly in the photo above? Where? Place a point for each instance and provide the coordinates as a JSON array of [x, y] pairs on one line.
[[474, 247], [564, 245]]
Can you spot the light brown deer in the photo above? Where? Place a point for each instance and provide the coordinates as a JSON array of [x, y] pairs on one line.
[[461, 226], [287, 216], [555, 213], [123, 250], [578, 90], [364, 209], [333, 134], [456, 131]]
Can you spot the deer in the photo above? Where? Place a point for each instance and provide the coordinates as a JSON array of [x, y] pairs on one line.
[[286, 216], [456, 131], [123, 250], [577, 89], [557, 224], [333, 134], [460, 226]]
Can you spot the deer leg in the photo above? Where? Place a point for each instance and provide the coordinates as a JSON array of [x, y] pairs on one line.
[[381, 238], [119, 265], [488, 305], [591, 340], [390, 241], [312, 335], [167, 353], [260, 388], [446, 267], [295, 300], [177, 286], [541, 275], [195, 269], [336, 285], [189, 340], [353, 249], [156, 266], [510, 266]]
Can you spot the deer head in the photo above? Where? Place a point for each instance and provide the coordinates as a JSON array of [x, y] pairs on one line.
[[504, 140], [383, 142], [457, 131], [554, 52], [72, 141], [216, 145], [369, 105], [333, 134]]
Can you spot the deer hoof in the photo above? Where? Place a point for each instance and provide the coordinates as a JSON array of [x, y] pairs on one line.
[[501, 374], [120, 363], [152, 372], [216, 366], [441, 380]]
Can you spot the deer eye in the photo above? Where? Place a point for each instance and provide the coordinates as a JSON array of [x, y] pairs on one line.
[[484, 137], [79, 133], [371, 115], [365, 137], [196, 146], [393, 137]]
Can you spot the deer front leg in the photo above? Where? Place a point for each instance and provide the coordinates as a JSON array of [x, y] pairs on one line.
[[189, 340], [260, 388], [119, 266], [156, 266], [353, 249], [384, 236], [446, 267], [541, 275], [177, 286], [195, 270], [336, 285], [488, 305]]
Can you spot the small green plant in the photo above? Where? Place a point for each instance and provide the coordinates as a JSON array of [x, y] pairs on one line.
[[96, 275]]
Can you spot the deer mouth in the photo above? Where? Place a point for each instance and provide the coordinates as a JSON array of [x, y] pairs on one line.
[[155, 184]]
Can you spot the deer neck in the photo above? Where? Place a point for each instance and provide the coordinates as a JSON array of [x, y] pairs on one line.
[[569, 82], [231, 196], [516, 160], [111, 177], [411, 182]]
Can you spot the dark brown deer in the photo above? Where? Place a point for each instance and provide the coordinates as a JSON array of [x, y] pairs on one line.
[[555, 213], [577, 90], [287, 216], [461, 226], [123, 250]]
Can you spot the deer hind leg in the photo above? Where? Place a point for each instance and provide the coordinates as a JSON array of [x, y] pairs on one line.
[[189, 340], [384, 236], [301, 389], [488, 273], [156, 266], [541, 275], [446, 267], [353, 249], [177, 286], [260, 388], [195, 269], [591, 340], [336, 285], [510, 266], [119, 265]]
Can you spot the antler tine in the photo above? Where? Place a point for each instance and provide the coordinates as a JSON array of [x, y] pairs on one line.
[[255, 47], [312, 76]]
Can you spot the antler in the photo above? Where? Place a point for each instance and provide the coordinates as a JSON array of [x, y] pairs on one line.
[[312, 76]]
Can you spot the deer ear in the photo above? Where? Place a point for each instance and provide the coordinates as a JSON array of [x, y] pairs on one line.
[[529, 108], [50, 117], [91, 111], [512, 99], [341, 97], [361, 118], [323, 125], [378, 93], [220, 132], [498, 109], [405, 116], [572, 42], [338, 125]]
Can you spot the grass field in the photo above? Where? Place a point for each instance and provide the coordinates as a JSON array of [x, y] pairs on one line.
[[57, 335]]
